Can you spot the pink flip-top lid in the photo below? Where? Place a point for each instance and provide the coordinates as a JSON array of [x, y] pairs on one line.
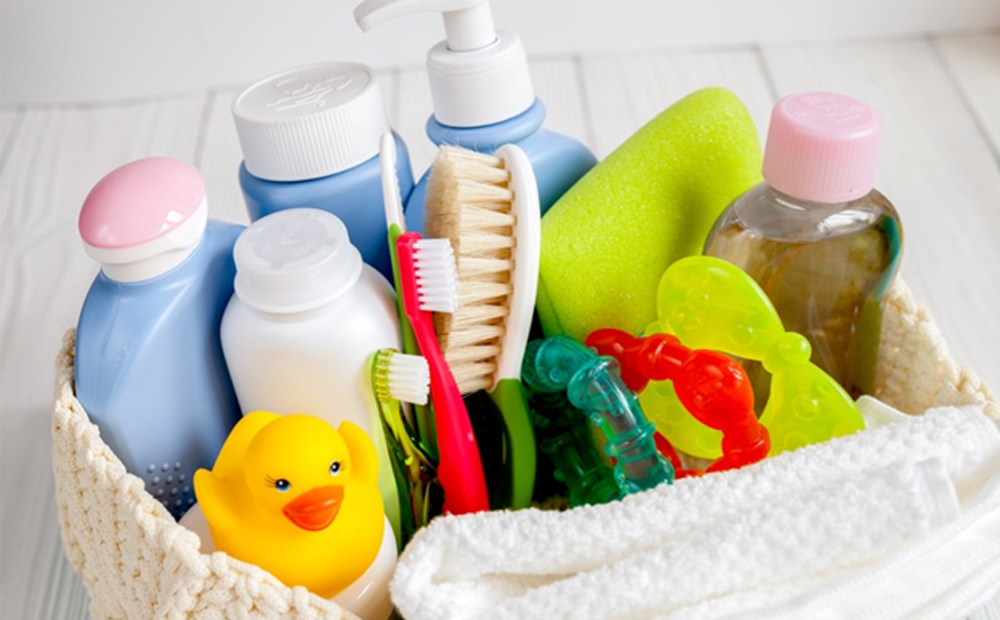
[[139, 202], [822, 147]]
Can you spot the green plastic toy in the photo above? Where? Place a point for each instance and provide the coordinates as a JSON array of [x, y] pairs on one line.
[[711, 304], [593, 385]]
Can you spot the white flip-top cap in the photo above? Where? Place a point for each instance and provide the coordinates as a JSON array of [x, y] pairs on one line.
[[295, 260], [478, 76], [310, 122]]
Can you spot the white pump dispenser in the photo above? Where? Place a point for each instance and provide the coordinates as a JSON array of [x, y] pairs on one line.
[[478, 75]]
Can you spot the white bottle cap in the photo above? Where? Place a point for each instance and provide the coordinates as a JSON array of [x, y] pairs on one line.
[[310, 122], [295, 260], [478, 76]]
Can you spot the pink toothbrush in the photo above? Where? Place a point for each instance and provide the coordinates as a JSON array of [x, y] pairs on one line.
[[428, 284]]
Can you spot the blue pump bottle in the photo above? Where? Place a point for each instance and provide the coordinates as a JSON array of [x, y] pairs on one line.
[[483, 97], [558, 160], [150, 370], [310, 138]]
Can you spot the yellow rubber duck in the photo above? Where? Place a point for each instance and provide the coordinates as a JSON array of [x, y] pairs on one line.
[[296, 497]]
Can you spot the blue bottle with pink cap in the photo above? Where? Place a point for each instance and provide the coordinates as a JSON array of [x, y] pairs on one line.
[[149, 365]]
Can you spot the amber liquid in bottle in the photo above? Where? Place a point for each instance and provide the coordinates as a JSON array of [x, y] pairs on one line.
[[825, 267]]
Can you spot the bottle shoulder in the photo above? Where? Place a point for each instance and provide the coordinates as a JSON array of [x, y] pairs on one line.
[[487, 138], [768, 213], [222, 235], [124, 328], [525, 130], [369, 301], [190, 296], [210, 260], [534, 140], [551, 142]]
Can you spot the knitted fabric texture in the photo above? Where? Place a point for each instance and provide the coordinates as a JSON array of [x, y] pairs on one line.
[[135, 560], [138, 563]]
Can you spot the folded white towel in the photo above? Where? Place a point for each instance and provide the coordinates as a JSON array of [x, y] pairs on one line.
[[943, 576], [809, 512], [946, 575]]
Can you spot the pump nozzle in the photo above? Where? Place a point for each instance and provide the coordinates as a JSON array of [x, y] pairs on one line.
[[478, 75], [468, 24]]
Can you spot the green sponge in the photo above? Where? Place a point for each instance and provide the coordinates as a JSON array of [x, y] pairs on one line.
[[608, 240]]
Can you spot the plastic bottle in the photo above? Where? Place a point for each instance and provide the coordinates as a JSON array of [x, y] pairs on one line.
[[310, 138], [302, 329], [483, 97], [823, 245], [149, 365]]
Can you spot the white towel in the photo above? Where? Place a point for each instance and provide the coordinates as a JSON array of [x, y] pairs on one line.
[[823, 511]]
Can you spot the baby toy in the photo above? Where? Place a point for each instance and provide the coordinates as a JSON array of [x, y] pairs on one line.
[[709, 385], [570, 446], [299, 332], [298, 498], [709, 303], [561, 364]]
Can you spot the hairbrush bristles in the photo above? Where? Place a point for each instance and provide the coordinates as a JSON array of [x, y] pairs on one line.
[[470, 203]]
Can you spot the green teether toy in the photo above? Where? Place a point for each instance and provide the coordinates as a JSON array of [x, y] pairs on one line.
[[711, 304]]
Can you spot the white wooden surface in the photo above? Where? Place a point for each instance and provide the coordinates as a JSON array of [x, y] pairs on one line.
[[940, 100], [72, 50]]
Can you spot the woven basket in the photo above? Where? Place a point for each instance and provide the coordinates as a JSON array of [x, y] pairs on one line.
[[138, 563]]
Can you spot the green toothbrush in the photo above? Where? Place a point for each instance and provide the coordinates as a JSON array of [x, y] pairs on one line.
[[397, 378]]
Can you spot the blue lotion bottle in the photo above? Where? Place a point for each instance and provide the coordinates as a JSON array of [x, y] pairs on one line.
[[483, 97], [310, 138], [150, 371]]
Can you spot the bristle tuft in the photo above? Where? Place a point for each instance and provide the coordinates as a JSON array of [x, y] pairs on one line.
[[409, 378], [436, 277], [402, 377], [469, 202]]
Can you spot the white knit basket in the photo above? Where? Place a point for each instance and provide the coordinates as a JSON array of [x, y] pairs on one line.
[[138, 563]]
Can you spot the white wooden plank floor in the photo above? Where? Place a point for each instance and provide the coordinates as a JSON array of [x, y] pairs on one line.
[[940, 164]]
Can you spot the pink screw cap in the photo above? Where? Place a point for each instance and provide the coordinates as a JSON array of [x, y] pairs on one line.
[[822, 147], [139, 202]]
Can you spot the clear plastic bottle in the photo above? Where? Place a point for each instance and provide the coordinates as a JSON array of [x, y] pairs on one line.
[[822, 243]]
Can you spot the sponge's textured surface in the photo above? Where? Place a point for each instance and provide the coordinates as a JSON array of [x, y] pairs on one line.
[[608, 240]]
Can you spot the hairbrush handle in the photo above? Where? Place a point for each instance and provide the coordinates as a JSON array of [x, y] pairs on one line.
[[460, 469]]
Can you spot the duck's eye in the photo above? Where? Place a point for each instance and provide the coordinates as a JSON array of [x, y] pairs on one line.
[[334, 468], [282, 485]]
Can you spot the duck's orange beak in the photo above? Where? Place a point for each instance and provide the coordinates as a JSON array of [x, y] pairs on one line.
[[315, 509]]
